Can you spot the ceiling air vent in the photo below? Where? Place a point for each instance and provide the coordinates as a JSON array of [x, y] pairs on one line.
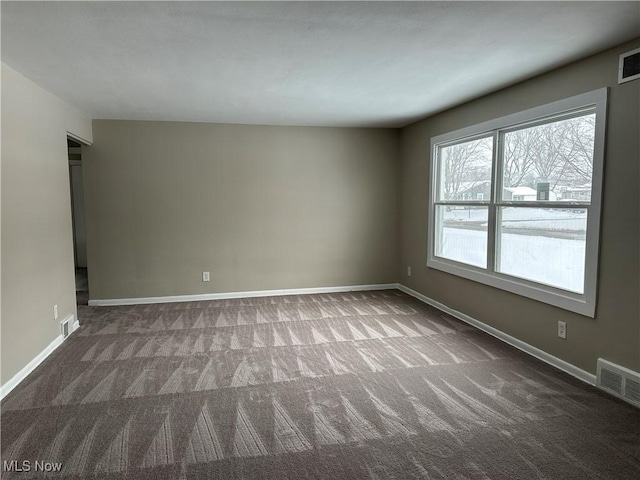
[[619, 381], [629, 68]]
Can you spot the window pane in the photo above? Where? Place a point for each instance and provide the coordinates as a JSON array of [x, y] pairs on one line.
[[465, 170], [543, 245], [461, 234], [553, 161]]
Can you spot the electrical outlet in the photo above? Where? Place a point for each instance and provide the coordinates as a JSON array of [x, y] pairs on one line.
[[55, 312], [562, 329], [408, 271], [205, 277]]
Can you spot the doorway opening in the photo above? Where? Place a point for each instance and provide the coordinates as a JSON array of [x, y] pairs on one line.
[[78, 221]]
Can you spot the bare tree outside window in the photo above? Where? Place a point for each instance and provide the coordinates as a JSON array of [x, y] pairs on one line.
[[464, 166], [518, 158], [581, 138], [559, 153]]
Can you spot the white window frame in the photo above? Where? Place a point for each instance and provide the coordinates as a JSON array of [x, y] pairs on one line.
[[584, 304]]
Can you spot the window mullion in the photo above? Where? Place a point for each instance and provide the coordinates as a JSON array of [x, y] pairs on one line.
[[492, 212]]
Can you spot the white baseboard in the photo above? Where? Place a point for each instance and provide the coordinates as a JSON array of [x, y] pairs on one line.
[[31, 366], [519, 344], [227, 295]]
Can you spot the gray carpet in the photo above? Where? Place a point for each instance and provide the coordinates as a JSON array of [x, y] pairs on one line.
[[366, 385]]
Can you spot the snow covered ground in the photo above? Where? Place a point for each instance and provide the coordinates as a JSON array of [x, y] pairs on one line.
[[540, 219], [558, 262]]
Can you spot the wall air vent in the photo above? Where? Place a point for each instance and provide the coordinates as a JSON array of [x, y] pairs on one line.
[[633, 390], [629, 68], [65, 327], [619, 381], [611, 381]]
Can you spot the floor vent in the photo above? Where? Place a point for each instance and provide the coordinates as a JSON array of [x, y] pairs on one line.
[[619, 381]]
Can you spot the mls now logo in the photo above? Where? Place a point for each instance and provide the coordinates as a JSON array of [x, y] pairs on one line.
[[28, 465]]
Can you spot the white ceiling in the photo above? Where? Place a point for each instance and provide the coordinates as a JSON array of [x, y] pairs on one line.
[[302, 63]]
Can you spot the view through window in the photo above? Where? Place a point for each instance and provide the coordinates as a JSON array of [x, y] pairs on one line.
[[515, 201]]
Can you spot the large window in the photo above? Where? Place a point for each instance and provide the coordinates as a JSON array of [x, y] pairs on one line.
[[515, 202]]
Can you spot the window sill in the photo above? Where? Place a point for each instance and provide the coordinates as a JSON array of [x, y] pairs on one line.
[[584, 304]]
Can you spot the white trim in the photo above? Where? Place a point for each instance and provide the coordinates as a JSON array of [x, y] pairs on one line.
[[41, 357], [519, 344], [227, 295], [576, 102], [585, 303], [621, 64], [537, 291], [78, 138]]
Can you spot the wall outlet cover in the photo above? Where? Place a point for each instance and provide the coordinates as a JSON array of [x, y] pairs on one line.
[[562, 329]]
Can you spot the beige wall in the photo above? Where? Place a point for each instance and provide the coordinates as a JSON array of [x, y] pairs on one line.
[[260, 207], [37, 245], [615, 332]]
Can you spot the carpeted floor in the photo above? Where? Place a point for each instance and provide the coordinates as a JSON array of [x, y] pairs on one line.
[[366, 385]]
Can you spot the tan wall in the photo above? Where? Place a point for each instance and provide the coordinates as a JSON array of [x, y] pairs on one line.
[[260, 207], [615, 332], [37, 241]]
